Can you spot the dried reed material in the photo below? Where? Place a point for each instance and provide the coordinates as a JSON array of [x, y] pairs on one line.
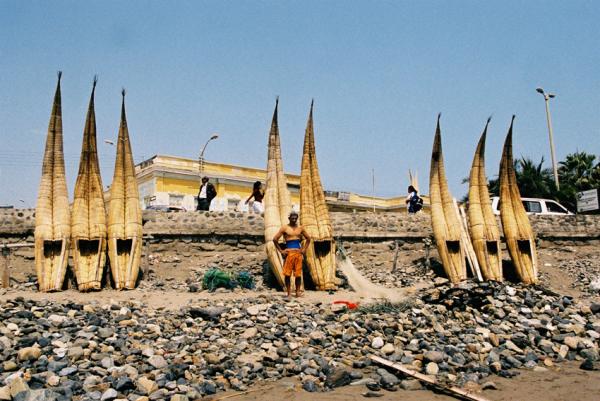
[[518, 234], [483, 226], [277, 201], [413, 179], [124, 214], [52, 219], [444, 219], [88, 218], [314, 216]]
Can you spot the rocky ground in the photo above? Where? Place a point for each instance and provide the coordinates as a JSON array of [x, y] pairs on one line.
[[171, 340], [124, 350]]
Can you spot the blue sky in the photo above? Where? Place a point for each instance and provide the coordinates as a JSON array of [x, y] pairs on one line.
[[379, 73]]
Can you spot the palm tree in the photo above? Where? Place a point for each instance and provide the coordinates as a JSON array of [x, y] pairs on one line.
[[578, 170]]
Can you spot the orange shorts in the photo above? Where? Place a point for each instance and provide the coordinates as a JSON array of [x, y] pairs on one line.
[[293, 263]]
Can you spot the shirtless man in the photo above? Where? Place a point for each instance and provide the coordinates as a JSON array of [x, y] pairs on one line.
[[293, 251]]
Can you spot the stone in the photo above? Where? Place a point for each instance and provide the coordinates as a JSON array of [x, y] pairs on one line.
[[157, 361], [109, 394], [588, 364], [377, 343], [9, 366], [75, 353], [5, 393], [387, 380], [489, 386], [146, 386], [179, 397], [338, 377], [433, 356], [53, 380], [18, 385], [29, 354], [411, 385], [310, 386], [250, 332], [432, 368], [388, 349], [571, 342]]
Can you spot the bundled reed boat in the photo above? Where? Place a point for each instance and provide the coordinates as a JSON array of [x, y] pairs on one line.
[[52, 219], [483, 227], [413, 179], [124, 214], [277, 200], [444, 217], [88, 218], [314, 216], [518, 234]]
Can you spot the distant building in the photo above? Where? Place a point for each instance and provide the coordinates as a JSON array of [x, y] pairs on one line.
[[174, 181]]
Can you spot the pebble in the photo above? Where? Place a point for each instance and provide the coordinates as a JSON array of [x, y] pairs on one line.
[[209, 346]]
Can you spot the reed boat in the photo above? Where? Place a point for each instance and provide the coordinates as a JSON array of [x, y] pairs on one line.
[[314, 216], [52, 219], [88, 217], [444, 217], [277, 200], [483, 227], [518, 233], [413, 179], [124, 214]]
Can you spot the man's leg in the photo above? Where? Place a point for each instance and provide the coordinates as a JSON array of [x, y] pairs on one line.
[[288, 285], [298, 283]]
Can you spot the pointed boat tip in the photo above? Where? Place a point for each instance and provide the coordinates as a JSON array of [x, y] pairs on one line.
[[123, 92], [59, 73], [95, 81]]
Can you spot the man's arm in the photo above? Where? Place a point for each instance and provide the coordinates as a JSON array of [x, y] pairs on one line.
[[276, 240], [306, 240]]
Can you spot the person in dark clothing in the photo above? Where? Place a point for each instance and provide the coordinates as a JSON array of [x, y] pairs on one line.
[[258, 196], [206, 194], [413, 201]]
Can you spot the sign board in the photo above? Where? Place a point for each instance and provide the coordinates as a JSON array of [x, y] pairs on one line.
[[587, 200]]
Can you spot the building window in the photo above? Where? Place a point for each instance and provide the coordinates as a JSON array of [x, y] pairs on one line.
[[175, 200]]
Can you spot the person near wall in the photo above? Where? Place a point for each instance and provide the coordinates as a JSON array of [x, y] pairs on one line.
[[413, 202], [258, 196], [206, 194]]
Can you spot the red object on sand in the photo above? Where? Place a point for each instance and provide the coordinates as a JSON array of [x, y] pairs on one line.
[[350, 305]]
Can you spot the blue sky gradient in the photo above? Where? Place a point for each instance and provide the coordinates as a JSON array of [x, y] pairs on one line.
[[379, 73]]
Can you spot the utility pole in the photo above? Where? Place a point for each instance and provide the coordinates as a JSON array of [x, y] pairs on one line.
[[547, 97]]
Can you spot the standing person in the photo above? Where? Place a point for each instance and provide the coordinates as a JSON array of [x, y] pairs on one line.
[[413, 202], [206, 194], [293, 252], [258, 196]]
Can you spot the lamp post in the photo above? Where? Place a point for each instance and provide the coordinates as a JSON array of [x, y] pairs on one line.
[[547, 97], [201, 157]]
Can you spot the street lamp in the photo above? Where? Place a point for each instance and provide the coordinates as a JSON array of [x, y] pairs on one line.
[[547, 97], [201, 157]]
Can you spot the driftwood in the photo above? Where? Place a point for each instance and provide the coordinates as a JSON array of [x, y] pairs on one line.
[[456, 391], [395, 265], [466, 243], [243, 393]]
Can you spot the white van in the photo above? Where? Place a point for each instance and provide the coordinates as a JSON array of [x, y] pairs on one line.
[[535, 206]]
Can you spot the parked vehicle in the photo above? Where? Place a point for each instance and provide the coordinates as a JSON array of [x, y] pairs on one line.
[[535, 206]]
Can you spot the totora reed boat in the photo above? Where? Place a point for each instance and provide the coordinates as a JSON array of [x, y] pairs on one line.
[[444, 217], [483, 226], [314, 216], [52, 219], [124, 214], [518, 234], [277, 201], [88, 218]]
